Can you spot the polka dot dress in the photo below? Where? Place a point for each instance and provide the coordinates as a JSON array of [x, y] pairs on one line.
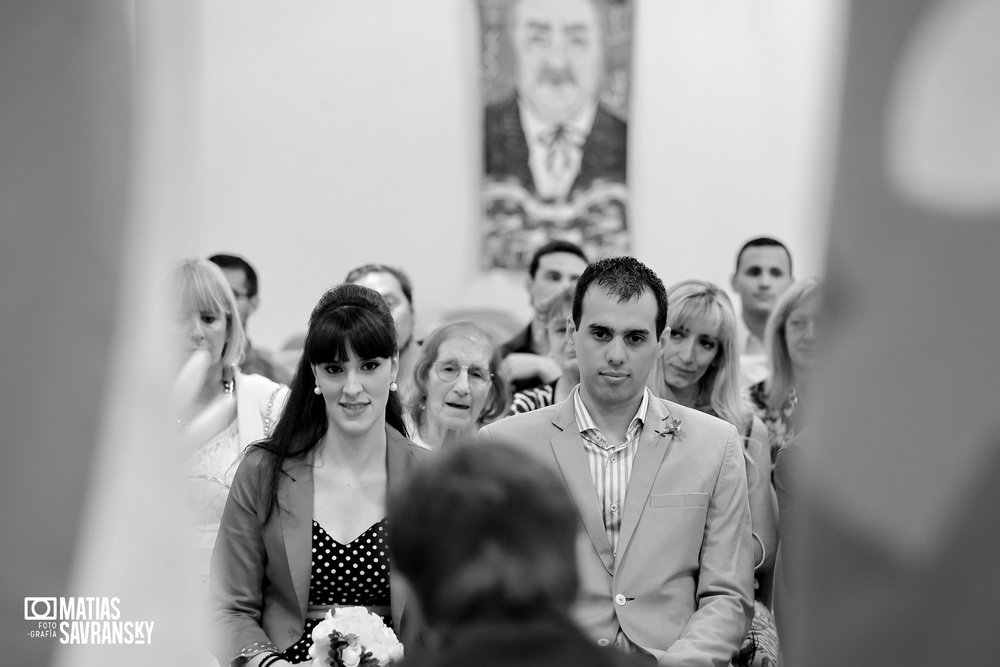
[[346, 574]]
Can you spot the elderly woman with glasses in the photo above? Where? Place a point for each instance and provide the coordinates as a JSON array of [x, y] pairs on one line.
[[457, 385]]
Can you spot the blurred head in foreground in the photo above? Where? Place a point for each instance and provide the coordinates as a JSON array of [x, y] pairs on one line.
[[516, 557]]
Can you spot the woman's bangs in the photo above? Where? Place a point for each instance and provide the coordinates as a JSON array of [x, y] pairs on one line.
[[349, 329], [197, 295], [698, 313]]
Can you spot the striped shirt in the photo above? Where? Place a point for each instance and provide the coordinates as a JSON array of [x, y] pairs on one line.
[[610, 465], [533, 399]]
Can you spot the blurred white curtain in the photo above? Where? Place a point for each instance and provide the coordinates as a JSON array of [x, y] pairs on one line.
[[95, 192]]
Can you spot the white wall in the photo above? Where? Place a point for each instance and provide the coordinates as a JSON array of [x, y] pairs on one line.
[[337, 132]]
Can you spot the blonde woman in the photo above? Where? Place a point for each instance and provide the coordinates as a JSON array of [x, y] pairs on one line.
[[792, 343], [218, 410], [699, 368]]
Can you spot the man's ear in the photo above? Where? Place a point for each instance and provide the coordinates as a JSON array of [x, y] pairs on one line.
[[571, 331], [254, 305], [661, 344], [732, 281]]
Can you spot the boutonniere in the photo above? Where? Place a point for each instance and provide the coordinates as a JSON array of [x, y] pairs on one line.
[[671, 426]]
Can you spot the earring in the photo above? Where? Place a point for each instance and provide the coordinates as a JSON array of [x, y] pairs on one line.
[[317, 390], [393, 386]]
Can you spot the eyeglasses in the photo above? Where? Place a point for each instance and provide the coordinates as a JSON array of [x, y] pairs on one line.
[[449, 371]]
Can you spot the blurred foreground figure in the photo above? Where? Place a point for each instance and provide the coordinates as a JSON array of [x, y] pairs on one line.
[[487, 539]]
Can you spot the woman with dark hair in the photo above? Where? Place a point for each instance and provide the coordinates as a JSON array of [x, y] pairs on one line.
[[397, 290], [304, 528], [458, 386]]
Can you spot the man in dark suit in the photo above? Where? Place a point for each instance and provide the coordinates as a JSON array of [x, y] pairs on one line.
[[553, 137], [242, 278], [554, 267], [665, 553]]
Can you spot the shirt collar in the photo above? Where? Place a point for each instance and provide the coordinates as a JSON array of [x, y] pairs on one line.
[[586, 423], [536, 127], [748, 342]]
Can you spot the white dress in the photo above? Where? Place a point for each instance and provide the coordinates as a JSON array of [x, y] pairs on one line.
[[211, 468]]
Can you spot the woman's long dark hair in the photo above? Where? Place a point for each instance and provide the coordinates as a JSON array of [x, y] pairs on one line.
[[347, 317]]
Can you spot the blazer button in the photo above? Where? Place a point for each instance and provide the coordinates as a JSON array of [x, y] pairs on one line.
[[603, 642], [620, 600]]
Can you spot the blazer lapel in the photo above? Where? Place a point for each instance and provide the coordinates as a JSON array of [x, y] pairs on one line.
[[652, 451], [296, 496], [567, 445]]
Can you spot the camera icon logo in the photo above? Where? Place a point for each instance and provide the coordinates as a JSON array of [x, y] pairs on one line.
[[40, 609]]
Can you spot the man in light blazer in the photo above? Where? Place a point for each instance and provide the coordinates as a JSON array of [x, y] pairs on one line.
[[665, 553]]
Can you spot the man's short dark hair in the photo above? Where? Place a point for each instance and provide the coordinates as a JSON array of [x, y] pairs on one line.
[[357, 274], [626, 278], [763, 242], [516, 556], [237, 262], [553, 247]]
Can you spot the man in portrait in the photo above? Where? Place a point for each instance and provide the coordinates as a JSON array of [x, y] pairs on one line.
[[553, 136]]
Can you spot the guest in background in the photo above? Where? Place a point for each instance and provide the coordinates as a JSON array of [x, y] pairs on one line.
[[763, 272], [499, 594], [555, 316], [219, 409], [397, 290], [699, 368], [554, 267], [317, 485], [792, 342], [243, 280], [458, 385]]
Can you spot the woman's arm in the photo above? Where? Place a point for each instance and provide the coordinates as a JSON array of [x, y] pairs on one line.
[[763, 505], [237, 574]]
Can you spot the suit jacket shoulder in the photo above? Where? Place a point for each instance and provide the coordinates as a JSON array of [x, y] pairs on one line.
[[604, 151], [505, 148]]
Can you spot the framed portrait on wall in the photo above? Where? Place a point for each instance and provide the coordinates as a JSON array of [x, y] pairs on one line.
[[555, 87]]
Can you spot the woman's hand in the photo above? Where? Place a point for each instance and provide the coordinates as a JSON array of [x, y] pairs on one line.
[[198, 423], [190, 381]]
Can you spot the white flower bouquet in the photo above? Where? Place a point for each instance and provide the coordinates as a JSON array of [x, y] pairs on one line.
[[354, 637]]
